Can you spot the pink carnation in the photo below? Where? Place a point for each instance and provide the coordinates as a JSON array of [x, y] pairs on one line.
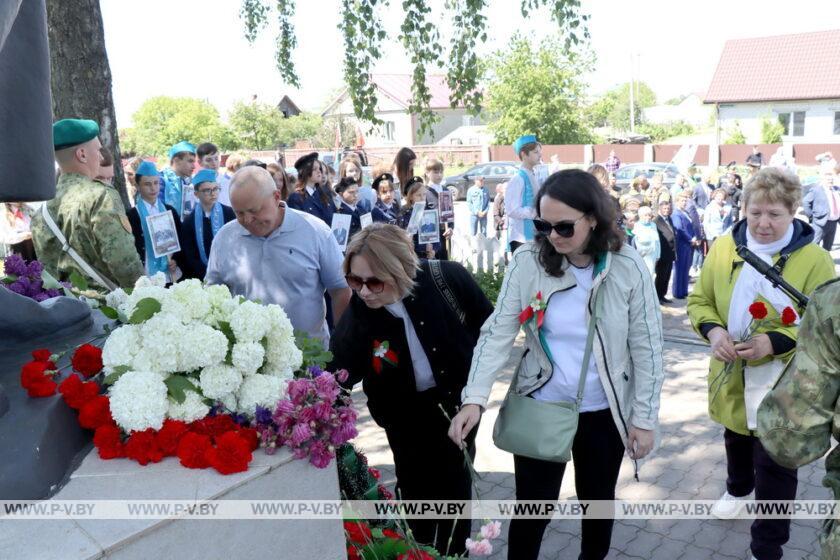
[[323, 411], [284, 408], [479, 548], [326, 387], [320, 454], [343, 433], [492, 530], [308, 414], [298, 390], [300, 433], [342, 375]]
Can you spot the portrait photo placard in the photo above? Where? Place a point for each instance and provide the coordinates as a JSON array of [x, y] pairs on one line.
[[429, 228], [164, 235]]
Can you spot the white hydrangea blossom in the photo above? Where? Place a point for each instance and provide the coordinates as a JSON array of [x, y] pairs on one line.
[[229, 401], [155, 292], [116, 298], [121, 347], [139, 401], [193, 408], [248, 356], [249, 322], [200, 346], [260, 390], [187, 301], [282, 356], [161, 340], [220, 381], [222, 305]]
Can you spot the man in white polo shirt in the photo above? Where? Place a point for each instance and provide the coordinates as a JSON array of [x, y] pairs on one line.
[[276, 254]]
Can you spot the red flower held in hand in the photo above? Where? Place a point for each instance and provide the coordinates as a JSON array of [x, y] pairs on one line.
[[789, 316], [87, 360], [231, 454], [108, 441], [95, 412], [41, 355], [758, 310], [192, 450], [358, 532], [76, 393], [36, 378], [143, 447]]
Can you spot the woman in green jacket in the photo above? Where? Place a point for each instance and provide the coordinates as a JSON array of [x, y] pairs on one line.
[[742, 371]]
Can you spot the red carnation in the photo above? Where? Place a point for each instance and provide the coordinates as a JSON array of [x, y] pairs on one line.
[[758, 310], [788, 316], [108, 440], [143, 447], [358, 532], [41, 355], [192, 450], [250, 435], [391, 534], [36, 378], [170, 435], [95, 412], [353, 553], [231, 454], [416, 554], [76, 393], [214, 426], [87, 360]]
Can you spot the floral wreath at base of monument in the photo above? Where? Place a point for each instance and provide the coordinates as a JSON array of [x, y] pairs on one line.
[[193, 372]]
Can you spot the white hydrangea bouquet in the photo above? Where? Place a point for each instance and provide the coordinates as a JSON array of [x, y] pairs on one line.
[[183, 349]]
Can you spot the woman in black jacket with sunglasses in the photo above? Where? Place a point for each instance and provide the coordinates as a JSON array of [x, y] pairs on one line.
[[408, 334]]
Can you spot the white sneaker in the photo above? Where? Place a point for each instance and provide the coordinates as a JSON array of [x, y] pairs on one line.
[[728, 506]]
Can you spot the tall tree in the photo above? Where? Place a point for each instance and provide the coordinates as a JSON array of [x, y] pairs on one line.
[[81, 75], [613, 108], [537, 91]]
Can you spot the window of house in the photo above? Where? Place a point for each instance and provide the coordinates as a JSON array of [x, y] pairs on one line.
[[836, 122], [467, 120], [794, 123], [388, 130]]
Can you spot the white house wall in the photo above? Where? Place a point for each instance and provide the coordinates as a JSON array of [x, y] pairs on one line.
[[819, 119]]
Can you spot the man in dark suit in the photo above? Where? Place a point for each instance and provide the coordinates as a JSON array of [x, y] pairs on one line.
[[668, 250]]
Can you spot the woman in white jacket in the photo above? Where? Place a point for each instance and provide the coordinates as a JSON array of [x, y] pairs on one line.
[[577, 260], [647, 238], [717, 216]]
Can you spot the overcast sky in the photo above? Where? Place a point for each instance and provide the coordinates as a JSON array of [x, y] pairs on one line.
[[196, 48]]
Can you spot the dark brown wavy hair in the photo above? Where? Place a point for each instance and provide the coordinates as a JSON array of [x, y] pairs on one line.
[[583, 192]]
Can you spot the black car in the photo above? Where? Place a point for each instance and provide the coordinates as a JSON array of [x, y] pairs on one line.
[[494, 173]]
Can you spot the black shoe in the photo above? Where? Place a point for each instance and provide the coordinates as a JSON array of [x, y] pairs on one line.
[[664, 300]]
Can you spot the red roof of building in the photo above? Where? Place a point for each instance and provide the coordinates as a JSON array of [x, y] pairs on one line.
[[398, 87], [784, 67]]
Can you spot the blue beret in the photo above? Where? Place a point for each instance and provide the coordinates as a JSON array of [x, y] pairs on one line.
[[203, 176], [182, 146], [146, 169], [521, 141], [72, 132]]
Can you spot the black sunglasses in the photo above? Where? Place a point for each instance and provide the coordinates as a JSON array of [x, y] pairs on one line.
[[375, 285], [563, 229]]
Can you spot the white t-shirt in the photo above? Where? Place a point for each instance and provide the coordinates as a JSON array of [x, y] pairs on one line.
[[565, 328], [423, 376]]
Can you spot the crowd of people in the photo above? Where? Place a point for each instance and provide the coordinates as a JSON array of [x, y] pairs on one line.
[[589, 267]]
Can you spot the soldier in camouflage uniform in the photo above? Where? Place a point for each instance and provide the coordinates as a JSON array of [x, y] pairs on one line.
[[89, 213], [798, 417]]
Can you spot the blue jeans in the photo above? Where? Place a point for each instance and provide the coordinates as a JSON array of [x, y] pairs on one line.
[[477, 224]]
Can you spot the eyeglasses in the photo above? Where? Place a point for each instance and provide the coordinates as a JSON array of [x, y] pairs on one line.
[[563, 229], [209, 191], [375, 285]]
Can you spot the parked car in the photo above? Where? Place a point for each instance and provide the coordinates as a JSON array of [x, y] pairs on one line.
[[494, 172], [626, 173]]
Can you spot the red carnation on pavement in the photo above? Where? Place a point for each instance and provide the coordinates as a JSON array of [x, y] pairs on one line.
[[169, 436], [108, 441], [143, 447], [214, 426], [36, 378], [95, 412], [87, 360], [250, 435], [788, 316], [353, 553], [358, 532], [41, 355], [76, 393], [231, 454], [192, 450], [758, 310]]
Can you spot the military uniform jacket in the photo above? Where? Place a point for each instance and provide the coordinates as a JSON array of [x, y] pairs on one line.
[[91, 216]]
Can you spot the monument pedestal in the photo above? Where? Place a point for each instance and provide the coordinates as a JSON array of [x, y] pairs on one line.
[[269, 477]]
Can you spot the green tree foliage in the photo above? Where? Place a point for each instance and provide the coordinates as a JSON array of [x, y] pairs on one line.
[[613, 108], [660, 132], [363, 35], [771, 131], [256, 124], [163, 121], [537, 91], [736, 135]]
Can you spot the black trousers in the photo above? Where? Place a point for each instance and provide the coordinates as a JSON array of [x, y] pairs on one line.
[[748, 467], [828, 231], [429, 466], [663, 276], [597, 452]]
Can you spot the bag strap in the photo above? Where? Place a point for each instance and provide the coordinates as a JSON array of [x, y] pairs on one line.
[[440, 283], [65, 246], [587, 353]]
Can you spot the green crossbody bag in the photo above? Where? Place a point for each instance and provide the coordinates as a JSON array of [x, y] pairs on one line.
[[540, 429]]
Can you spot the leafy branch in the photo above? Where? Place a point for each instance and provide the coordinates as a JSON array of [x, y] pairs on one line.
[[463, 70], [363, 33], [421, 39]]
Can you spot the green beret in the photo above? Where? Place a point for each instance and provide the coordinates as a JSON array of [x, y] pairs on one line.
[[72, 132]]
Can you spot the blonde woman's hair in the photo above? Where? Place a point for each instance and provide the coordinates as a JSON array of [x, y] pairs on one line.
[[342, 169], [389, 252], [644, 211], [234, 161], [772, 184], [682, 195], [599, 172]]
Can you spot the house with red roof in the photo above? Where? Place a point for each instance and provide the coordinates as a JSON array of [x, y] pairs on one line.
[[399, 127], [794, 79]]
